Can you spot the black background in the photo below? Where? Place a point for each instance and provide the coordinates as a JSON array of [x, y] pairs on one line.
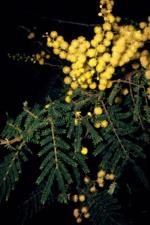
[[20, 82]]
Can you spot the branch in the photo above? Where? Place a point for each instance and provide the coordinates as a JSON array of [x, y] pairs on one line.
[[73, 23], [10, 142], [114, 130], [54, 141]]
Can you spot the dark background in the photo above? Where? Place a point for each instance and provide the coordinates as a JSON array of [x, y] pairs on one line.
[[20, 81]]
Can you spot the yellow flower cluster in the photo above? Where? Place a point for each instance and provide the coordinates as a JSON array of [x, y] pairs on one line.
[[81, 213], [97, 111], [40, 57], [103, 123], [102, 176], [93, 62]]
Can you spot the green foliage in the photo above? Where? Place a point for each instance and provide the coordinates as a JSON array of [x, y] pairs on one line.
[[105, 209]]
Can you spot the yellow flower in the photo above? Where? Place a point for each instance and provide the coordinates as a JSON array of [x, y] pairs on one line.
[[125, 91], [63, 55], [84, 151], [97, 29], [97, 124], [104, 123], [91, 52], [75, 198], [101, 48], [89, 114], [66, 69], [67, 80], [84, 209], [82, 198], [76, 213], [106, 26], [53, 34], [92, 62], [98, 110], [102, 87], [78, 114], [74, 85], [86, 180], [86, 215], [68, 99], [92, 85], [101, 173], [47, 106], [93, 189]]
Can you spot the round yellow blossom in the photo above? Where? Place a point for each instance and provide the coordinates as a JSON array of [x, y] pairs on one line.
[[84, 151], [103, 81], [92, 62], [104, 123], [101, 173], [100, 182], [89, 114], [79, 220], [93, 85], [31, 35], [56, 44], [53, 34], [98, 110], [91, 52], [84, 209], [101, 48], [67, 80], [70, 92], [63, 55], [66, 69], [86, 215], [102, 87], [97, 124], [41, 61], [64, 45], [86, 180], [94, 42], [59, 38], [109, 35], [106, 26], [111, 176], [107, 42], [56, 51], [106, 57], [82, 198], [97, 29], [47, 106], [76, 212], [110, 18], [68, 99], [74, 85], [75, 198], [93, 189], [125, 91]]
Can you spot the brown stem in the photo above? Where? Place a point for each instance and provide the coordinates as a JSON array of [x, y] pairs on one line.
[[10, 142]]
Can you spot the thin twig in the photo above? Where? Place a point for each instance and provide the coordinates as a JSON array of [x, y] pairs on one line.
[[54, 141], [114, 129], [73, 23], [10, 142]]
